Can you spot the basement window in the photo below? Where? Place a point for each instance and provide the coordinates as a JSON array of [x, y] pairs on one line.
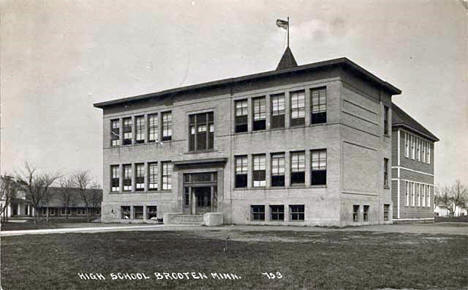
[[125, 212], [297, 212], [356, 213], [259, 114], [365, 214], [277, 212], [151, 212], [138, 212], [258, 212]]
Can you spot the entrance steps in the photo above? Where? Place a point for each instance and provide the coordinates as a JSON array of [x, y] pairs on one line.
[[184, 219]]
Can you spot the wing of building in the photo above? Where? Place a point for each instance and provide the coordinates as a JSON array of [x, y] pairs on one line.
[[301, 145]]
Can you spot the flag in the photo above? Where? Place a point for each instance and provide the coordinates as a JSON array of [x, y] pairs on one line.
[[282, 23]]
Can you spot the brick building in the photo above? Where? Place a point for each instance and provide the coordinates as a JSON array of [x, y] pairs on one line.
[[305, 145], [412, 168]]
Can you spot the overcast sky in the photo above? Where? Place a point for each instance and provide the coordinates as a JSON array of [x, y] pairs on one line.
[[60, 57]]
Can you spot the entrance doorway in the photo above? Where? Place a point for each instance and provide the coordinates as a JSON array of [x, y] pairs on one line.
[[200, 193]]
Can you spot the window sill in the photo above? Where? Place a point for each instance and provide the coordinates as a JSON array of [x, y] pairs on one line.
[[201, 151]]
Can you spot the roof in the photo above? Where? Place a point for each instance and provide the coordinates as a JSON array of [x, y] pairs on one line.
[[401, 119], [287, 60], [343, 62]]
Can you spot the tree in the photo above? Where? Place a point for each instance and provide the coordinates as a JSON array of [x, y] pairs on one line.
[[82, 180], [8, 191], [95, 196], [452, 197], [36, 187], [65, 193]]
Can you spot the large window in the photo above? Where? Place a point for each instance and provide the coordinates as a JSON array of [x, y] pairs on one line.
[[153, 133], [296, 212], [277, 111], [241, 116], [115, 178], [277, 169], [127, 131], [166, 175], [166, 126], [386, 123], [385, 172], [277, 212], [201, 132], [140, 129], [115, 132], [297, 168], [259, 114], [318, 105], [258, 212], [153, 176], [318, 167], [127, 177], [258, 170], [297, 108], [241, 171], [139, 176]]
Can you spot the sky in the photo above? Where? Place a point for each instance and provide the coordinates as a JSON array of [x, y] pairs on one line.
[[57, 58]]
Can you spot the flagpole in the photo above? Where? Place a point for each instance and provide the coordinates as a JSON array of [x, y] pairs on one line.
[[288, 31]]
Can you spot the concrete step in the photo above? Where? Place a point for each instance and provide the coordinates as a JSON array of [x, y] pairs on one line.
[[187, 219]]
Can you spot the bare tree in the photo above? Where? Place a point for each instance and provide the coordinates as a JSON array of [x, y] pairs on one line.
[[65, 193], [8, 191], [36, 187], [452, 197], [82, 180]]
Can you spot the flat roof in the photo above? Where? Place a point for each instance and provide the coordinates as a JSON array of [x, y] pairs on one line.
[[345, 62]]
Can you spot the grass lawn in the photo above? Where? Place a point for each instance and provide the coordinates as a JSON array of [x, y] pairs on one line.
[[42, 224], [323, 260]]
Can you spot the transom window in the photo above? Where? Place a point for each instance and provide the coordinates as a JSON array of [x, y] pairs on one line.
[[241, 171], [297, 108], [127, 131], [241, 116], [318, 167], [140, 129], [277, 169], [166, 126], [115, 132], [153, 133], [297, 168], [259, 114], [318, 105], [201, 131], [277, 111], [259, 170]]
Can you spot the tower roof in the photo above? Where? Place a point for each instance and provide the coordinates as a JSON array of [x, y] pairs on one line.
[[287, 60]]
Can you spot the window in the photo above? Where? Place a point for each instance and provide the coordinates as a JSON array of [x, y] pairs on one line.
[[386, 125], [418, 149], [153, 178], [412, 148], [201, 132], [423, 195], [318, 106], [297, 108], [413, 193], [385, 172], [64, 211], [407, 192], [428, 158], [319, 167], [241, 116], [140, 129], [241, 171], [423, 154], [277, 169], [258, 170], [138, 212], [296, 212], [365, 214], [277, 111], [127, 131], [151, 212], [153, 133], [115, 178], [407, 141], [386, 211], [429, 195], [166, 176], [127, 177], [258, 212], [297, 168], [115, 132], [259, 114], [125, 212], [355, 213], [277, 212], [166, 126], [139, 177], [418, 192]]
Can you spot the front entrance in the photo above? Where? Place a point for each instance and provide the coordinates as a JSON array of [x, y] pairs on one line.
[[200, 193]]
